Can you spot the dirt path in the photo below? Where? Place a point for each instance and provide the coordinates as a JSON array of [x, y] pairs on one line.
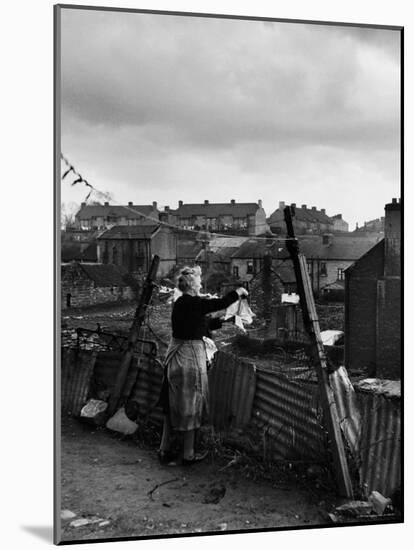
[[110, 478]]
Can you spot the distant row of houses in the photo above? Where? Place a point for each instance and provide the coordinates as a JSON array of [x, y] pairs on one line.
[[232, 217]]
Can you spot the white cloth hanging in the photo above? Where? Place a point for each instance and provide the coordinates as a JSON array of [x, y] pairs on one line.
[[241, 312]]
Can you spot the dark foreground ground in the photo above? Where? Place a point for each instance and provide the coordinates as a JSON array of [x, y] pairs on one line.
[[122, 483]]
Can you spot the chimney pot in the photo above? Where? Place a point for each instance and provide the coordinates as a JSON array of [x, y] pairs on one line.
[[206, 202], [233, 201], [180, 203], [130, 203], [313, 208]]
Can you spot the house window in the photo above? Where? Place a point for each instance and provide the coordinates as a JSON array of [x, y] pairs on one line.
[[114, 255], [341, 274], [323, 269], [250, 267], [236, 271], [309, 266]]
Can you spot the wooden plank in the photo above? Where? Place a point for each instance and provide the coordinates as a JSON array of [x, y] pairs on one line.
[[311, 322], [133, 335]]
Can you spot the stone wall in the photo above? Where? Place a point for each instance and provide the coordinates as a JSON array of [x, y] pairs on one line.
[[78, 290]]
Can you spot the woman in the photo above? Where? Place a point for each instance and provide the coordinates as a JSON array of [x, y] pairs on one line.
[[185, 388]]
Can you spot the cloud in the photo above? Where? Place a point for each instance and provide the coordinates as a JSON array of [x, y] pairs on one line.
[[154, 103], [218, 82]]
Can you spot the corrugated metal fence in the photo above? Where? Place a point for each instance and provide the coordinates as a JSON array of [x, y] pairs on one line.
[[76, 374], [288, 412], [232, 384], [380, 445], [285, 411]]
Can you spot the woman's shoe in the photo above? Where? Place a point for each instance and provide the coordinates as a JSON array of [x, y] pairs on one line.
[[198, 457], [166, 457]]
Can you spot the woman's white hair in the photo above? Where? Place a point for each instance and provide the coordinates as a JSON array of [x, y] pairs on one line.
[[186, 280]]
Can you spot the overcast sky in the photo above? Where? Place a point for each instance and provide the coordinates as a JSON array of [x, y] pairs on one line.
[[162, 108]]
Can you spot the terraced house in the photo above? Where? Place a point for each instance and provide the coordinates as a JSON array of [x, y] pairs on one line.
[[307, 220], [247, 218], [105, 216]]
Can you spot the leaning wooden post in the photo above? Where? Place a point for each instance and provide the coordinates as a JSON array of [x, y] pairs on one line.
[[133, 335], [311, 322]]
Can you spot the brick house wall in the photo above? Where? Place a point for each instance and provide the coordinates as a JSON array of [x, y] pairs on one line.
[[373, 296], [361, 310], [388, 358]]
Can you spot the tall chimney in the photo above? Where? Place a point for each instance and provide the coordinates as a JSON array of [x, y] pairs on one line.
[[180, 203], [259, 202], [392, 235]]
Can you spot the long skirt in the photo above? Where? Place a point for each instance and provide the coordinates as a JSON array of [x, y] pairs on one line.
[[184, 396]]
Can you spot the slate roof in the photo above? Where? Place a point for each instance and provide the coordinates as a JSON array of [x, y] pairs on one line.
[[129, 232], [221, 256], [214, 210], [336, 285], [286, 272], [379, 246], [219, 243], [133, 212], [188, 250], [105, 274], [344, 247], [253, 248], [302, 214]]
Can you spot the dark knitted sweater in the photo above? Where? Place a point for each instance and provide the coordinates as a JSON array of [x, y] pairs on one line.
[[189, 321]]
